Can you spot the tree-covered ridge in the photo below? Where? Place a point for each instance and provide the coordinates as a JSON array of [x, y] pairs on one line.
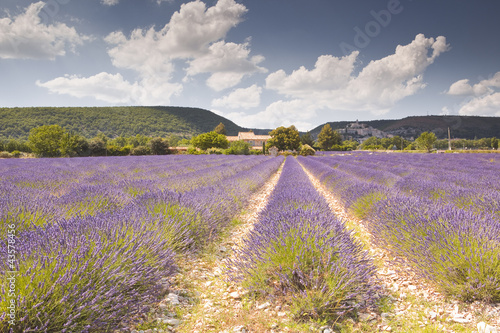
[[127, 121], [462, 127]]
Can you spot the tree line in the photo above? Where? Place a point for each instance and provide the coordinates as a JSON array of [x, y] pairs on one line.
[[56, 141]]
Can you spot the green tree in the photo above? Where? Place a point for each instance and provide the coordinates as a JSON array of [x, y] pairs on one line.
[[494, 143], [425, 141], [119, 141], [372, 143], [174, 140], [284, 138], [210, 140], [220, 129], [307, 150], [45, 140], [158, 146], [139, 140], [328, 138], [306, 139], [140, 150], [350, 145], [239, 147], [97, 147], [73, 145]]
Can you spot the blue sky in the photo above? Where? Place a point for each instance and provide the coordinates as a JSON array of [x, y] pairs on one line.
[[260, 63]]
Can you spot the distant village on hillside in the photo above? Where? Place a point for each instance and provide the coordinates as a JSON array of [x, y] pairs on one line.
[[361, 132]]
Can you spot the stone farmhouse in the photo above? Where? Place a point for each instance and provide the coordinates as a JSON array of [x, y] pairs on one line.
[[255, 141]]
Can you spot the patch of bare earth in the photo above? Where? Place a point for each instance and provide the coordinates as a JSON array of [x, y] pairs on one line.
[[219, 304], [412, 299]]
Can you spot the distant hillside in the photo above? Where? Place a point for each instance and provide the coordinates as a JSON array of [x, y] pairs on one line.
[[463, 127], [114, 121]]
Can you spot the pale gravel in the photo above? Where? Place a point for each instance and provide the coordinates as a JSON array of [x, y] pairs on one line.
[[221, 298], [397, 276]]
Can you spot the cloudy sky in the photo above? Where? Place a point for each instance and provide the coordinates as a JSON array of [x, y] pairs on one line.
[[260, 63]]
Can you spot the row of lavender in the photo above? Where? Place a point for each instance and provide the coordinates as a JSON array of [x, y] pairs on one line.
[[84, 271], [35, 192], [440, 213], [300, 253]]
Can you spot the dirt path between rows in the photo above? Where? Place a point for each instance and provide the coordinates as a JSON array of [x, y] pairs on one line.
[[202, 300], [413, 299], [219, 307]]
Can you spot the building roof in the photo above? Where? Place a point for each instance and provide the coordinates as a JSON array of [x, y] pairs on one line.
[[252, 136], [248, 136]]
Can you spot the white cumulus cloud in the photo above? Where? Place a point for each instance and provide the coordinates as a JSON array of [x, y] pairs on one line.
[[464, 88], [115, 2], [26, 37], [329, 73], [333, 85], [296, 112], [244, 98], [195, 34], [110, 2], [229, 63], [113, 88], [483, 98], [488, 105]]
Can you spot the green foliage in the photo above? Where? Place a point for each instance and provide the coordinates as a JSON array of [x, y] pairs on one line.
[[239, 147], [74, 145], [193, 151], [494, 143], [295, 251], [220, 129], [363, 205], [256, 152], [350, 145], [284, 138], [16, 153], [307, 150], [140, 150], [15, 144], [306, 139], [174, 140], [113, 121], [327, 138], [97, 147], [372, 143], [210, 140], [215, 151], [45, 141], [158, 146], [118, 151], [426, 141]]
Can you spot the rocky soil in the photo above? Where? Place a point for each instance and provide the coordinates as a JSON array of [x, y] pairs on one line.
[[201, 299]]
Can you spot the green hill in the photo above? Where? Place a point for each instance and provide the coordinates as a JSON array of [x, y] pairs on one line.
[[184, 122], [114, 121], [463, 127]]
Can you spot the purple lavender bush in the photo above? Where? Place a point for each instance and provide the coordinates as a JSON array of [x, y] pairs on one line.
[[439, 212], [94, 252], [86, 274], [300, 253], [458, 250]]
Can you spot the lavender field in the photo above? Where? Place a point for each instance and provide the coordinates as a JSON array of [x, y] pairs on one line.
[[94, 240], [440, 213], [95, 237]]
